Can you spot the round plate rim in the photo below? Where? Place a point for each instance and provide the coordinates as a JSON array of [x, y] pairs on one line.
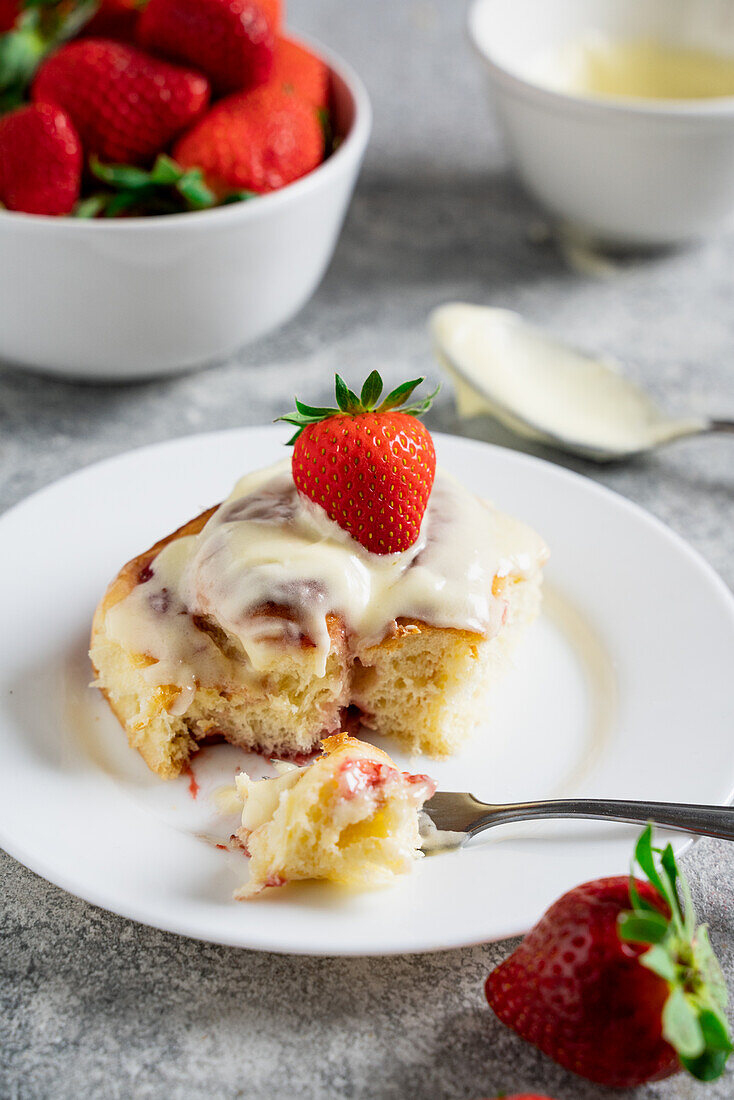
[[37, 865]]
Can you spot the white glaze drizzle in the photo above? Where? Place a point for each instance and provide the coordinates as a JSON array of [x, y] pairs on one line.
[[267, 548]]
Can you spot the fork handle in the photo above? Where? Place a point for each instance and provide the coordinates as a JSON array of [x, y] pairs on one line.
[[716, 821], [720, 426]]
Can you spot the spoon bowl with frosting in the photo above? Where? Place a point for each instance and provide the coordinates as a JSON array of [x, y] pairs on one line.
[[549, 392]]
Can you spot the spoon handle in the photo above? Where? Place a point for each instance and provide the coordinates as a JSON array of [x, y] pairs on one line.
[[716, 821], [720, 426]]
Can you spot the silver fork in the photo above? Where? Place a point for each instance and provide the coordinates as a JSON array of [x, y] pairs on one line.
[[459, 816]]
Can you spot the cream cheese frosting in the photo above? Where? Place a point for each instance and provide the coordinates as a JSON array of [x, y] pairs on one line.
[[270, 567]]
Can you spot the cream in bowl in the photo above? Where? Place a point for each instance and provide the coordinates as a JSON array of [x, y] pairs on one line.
[[619, 116], [638, 68]]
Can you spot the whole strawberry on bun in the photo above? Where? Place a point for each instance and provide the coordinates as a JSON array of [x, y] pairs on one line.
[[368, 463], [618, 983]]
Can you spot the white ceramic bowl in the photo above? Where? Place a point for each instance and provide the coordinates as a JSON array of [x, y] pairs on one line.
[[632, 171], [121, 300]]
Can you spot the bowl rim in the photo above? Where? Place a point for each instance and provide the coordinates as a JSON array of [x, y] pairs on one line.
[[350, 149], [711, 108]]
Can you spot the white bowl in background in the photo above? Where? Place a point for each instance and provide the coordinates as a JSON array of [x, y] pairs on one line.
[[626, 171], [139, 297]]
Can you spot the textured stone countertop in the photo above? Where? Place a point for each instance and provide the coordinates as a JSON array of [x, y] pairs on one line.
[[92, 1005]]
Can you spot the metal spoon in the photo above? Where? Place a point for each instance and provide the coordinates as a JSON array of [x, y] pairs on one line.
[[545, 390], [455, 817]]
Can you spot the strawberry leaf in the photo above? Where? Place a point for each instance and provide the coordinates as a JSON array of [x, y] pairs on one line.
[[658, 960], [708, 965], [348, 403], [681, 1025], [670, 875], [166, 189], [422, 406], [342, 394], [643, 927], [371, 391], [693, 1018], [21, 52], [239, 196], [399, 395], [119, 176], [122, 201], [191, 187], [165, 171], [645, 857], [90, 207], [710, 1064], [311, 411]]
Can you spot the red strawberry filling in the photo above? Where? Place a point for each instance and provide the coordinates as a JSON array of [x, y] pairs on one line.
[[358, 776]]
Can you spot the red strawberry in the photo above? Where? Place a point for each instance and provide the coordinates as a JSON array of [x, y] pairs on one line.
[[369, 466], [126, 105], [299, 71], [257, 141], [40, 160], [232, 41], [116, 19], [619, 997]]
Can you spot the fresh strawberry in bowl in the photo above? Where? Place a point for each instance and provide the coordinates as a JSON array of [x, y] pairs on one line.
[[40, 160], [258, 141], [232, 41], [618, 983], [298, 71], [126, 105]]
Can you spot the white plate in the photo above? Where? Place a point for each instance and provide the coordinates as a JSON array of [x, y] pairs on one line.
[[621, 689]]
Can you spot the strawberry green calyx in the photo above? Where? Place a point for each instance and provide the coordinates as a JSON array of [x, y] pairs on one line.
[[680, 952], [349, 404], [166, 189]]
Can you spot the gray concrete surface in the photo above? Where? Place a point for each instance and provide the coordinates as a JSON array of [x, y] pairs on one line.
[[94, 1006]]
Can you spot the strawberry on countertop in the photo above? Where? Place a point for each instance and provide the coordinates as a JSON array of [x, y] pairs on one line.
[[231, 41], [617, 983], [370, 466], [126, 105], [258, 140], [40, 160]]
